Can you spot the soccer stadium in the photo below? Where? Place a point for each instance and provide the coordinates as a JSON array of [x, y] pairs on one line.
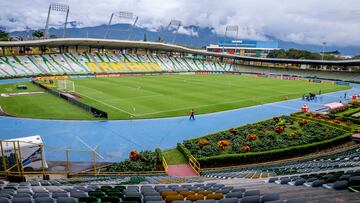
[[136, 121]]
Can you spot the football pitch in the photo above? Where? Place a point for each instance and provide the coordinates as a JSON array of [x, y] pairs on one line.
[[158, 96]]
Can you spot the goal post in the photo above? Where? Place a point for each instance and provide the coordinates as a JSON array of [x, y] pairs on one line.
[[66, 85]]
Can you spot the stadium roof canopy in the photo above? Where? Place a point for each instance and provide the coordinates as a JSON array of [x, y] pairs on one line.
[[124, 44]]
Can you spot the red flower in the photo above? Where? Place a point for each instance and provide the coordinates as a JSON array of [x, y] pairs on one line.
[[295, 136], [223, 143], [245, 148], [279, 129], [134, 155], [202, 143], [251, 136]]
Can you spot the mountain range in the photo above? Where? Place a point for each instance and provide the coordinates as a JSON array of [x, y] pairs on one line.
[[195, 37]]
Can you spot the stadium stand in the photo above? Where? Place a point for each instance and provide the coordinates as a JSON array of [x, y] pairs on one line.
[[336, 75], [338, 161]]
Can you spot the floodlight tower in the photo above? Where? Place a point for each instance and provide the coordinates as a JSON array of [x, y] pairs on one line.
[[124, 15], [231, 28], [63, 8], [174, 25], [323, 50]]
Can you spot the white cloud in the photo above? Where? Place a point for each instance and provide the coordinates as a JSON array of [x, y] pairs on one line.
[[301, 21]]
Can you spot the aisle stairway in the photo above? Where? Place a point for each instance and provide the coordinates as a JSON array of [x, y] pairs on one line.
[[180, 170]]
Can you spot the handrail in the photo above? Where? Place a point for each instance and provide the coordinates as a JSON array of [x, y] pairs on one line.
[[194, 164], [165, 165]]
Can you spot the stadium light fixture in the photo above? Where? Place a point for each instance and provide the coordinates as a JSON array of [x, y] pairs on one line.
[[126, 16], [231, 28], [63, 8], [174, 25]]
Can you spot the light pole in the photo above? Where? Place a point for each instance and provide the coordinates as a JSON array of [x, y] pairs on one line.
[[323, 48]]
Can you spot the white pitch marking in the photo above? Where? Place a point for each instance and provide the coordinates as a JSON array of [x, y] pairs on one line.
[[109, 105]]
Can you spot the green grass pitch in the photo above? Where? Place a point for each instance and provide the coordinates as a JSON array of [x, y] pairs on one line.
[[159, 96]]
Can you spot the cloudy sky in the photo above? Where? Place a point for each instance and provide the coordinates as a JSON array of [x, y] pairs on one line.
[[336, 22]]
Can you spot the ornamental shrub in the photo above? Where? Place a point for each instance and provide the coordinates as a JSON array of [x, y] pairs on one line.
[[134, 155], [251, 136], [279, 129], [245, 148], [223, 143], [202, 143]]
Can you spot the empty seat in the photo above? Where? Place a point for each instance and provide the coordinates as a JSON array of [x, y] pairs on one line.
[[187, 193], [78, 194], [171, 198], [167, 193], [216, 196], [206, 201], [299, 181], [250, 199], [132, 198], [229, 200], [152, 198], [8, 196], [4, 200], [88, 199], [354, 181], [23, 195], [110, 199], [151, 193], [270, 197], [21, 200], [59, 194], [296, 200], [204, 192], [238, 190], [252, 193], [65, 200], [195, 197], [44, 200], [182, 201], [235, 194], [317, 183], [340, 185], [41, 194]]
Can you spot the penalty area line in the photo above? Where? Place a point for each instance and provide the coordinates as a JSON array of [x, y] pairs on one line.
[[106, 104]]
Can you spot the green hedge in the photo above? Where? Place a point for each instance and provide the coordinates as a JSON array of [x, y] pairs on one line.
[[184, 151], [338, 126], [255, 157]]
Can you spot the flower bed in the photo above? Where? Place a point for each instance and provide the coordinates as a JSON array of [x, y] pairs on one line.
[[138, 161], [270, 135]]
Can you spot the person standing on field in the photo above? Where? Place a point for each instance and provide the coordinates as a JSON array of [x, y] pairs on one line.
[[192, 114]]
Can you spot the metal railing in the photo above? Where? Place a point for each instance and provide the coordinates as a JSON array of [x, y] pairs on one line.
[[194, 164]]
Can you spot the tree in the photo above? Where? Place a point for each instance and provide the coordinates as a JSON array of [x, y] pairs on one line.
[[4, 36], [53, 37], [38, 34]]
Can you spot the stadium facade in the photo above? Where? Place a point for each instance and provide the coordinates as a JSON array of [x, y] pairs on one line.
[[244, 47], [86, 56]]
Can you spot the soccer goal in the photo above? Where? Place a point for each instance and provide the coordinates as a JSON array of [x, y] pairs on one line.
[[66, 85]]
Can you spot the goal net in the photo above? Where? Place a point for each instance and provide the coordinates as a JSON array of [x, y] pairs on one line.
[[66, 85]]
